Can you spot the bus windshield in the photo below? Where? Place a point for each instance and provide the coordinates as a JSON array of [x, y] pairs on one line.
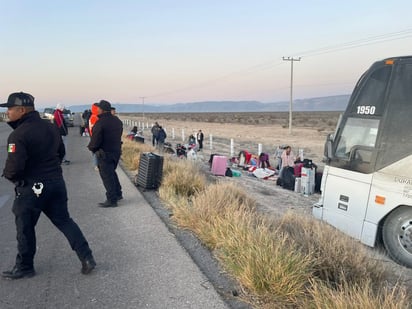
[[357, 132]]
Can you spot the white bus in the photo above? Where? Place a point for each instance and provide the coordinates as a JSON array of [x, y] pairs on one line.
[[367, 182]]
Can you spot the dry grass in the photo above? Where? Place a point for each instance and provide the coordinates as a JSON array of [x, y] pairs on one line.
[[359, 296], [131, 153], [293, 262], [336, 258], [181, 178]]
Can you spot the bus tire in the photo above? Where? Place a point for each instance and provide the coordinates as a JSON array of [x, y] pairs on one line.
[[397, 235]]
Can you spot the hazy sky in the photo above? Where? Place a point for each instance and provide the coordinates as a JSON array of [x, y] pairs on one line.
[[81, 51]]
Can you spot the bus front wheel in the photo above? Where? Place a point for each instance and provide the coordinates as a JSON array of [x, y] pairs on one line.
[[397, 235]]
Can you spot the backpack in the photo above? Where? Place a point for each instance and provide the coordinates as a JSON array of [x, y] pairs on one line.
[[288, 179], [228, 172]]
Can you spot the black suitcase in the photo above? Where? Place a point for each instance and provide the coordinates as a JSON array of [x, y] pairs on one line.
[[139, 139], [150, 171]]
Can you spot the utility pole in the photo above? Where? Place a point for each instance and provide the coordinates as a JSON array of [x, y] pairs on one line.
[[291, 59], [143, 106]]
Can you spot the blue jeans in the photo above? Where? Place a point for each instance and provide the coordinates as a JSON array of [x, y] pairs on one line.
[[27, 208]]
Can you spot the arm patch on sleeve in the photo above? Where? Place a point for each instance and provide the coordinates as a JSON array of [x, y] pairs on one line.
[[11, 148]]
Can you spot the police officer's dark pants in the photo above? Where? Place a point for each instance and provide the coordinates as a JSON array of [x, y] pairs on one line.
[[27, 208], [107, 168]]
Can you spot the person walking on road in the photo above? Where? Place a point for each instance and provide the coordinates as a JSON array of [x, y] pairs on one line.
[[62, 126], [106, 143], [33, 166]]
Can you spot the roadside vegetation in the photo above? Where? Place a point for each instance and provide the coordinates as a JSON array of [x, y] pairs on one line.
[[289, 262]]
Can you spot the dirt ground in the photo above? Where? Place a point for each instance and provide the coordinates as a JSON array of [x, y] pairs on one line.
[[309, 136], [271, 199]]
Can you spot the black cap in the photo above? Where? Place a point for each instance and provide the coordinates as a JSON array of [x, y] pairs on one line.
[[104, 105], [19, 99]]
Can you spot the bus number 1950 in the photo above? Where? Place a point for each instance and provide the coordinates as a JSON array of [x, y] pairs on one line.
[[366, 110]]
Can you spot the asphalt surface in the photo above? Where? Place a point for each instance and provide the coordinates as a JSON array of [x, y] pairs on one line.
[[140, 263]]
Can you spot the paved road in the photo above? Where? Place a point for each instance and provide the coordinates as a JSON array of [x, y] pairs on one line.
[[140, 263]]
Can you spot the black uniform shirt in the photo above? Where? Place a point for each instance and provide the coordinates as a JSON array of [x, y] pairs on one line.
[[35, 150], [107, 134]]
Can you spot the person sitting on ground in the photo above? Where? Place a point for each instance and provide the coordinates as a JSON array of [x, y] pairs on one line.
[[264, 160], [132, 133], [192, 139]]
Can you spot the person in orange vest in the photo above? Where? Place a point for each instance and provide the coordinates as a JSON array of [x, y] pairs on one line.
[[92, 121]]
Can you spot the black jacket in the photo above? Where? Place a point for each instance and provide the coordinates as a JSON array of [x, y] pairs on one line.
[[35, 150], [161, 135], [107, 134]]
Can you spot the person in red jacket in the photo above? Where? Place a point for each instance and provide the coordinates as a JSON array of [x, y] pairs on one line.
[[62, 126]]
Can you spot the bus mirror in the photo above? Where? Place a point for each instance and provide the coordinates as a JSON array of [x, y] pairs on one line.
[[330, 137], [328, 150]]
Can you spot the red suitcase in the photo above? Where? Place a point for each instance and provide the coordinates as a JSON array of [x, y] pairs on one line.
[[298, 169]]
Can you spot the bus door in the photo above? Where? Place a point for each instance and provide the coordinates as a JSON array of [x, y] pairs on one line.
[[346, 195]]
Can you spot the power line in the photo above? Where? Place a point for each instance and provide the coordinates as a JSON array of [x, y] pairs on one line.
[[268, 65], [358, 43]]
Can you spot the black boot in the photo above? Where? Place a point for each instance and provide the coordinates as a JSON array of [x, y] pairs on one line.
[[108, 203], [17, 273], [88, 264]]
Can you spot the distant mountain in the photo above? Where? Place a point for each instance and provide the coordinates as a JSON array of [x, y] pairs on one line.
[[331, 103]]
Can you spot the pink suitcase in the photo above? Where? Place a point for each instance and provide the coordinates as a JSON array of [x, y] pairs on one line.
[[219, 165]]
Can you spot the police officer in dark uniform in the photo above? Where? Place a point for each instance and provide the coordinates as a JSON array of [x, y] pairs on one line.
[[106, 143], [35, 150]]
